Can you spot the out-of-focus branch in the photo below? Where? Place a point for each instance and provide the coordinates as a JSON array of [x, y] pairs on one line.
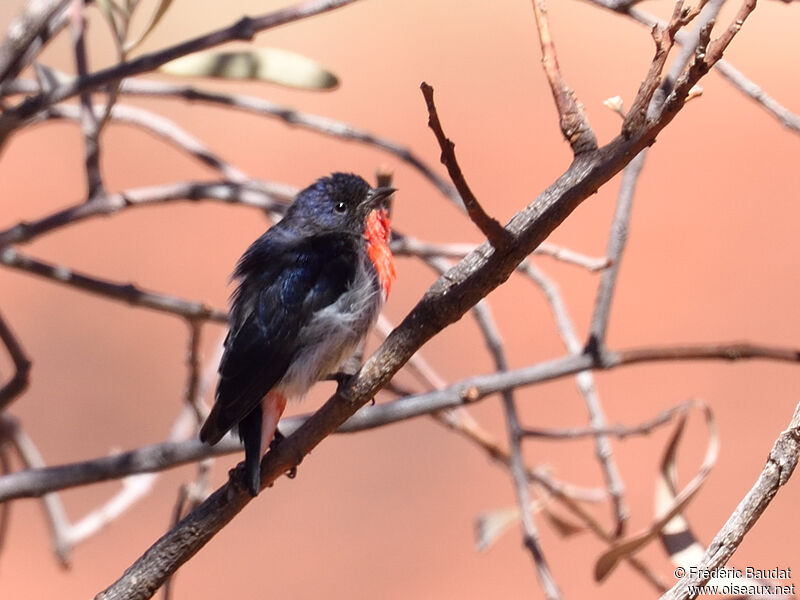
[[266, 108], [244, 29], [516, 463], [588, 389], [780, 465], [91, 124], [494, 231], [573, 121], [154, 124], [22, 33], [35, 482], [51, 503], [22, 366], [125, 292], [619, 431], [266, 196], [404, 245]]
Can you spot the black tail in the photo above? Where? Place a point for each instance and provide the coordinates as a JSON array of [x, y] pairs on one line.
[[250, 434]]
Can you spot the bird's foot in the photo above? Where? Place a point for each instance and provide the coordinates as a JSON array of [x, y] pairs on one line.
[[276, 440], [343, 380], [343, 386]]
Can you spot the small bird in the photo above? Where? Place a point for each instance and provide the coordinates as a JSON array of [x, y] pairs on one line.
[[309, 290]]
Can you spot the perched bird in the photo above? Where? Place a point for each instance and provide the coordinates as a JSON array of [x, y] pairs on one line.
[[309, 290]]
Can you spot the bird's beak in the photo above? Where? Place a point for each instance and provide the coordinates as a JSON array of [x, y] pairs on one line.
[[377, 195]]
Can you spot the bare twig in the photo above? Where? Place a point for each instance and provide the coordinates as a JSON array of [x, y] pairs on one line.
[[516, 464], [259, 106], [572, 119], [5, 509], [244, 29], [32, 483], [266, 196], [90, 123], [154, 124], [191, 395], [780, 465], [494, 231], [588, 390], [22, 33], [735, 77], [404, 245], [619, 431], [22, 366], [51, 503], [125, 292]]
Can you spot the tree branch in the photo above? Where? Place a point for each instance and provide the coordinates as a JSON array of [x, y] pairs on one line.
[[125, 292], [494, 231], [244, 29], [573, 121], [22, 33], [22, 366], [780, 465]]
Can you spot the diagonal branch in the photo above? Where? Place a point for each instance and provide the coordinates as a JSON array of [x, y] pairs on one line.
[[22, 33], [444, 303], [494, 231], [780, 465], [125, 292], [573, 121]]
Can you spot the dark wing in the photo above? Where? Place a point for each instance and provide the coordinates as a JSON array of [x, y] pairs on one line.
[[281, 288]]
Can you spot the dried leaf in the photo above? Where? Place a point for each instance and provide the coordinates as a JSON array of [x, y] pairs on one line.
[[562, 525], [489, 526], [666, 511], [161, 8], [263, 64]]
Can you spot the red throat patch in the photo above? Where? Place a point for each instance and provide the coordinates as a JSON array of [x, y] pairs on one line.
[[376, 233]]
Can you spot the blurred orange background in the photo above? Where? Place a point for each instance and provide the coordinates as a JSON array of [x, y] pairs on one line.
[[712, 256]]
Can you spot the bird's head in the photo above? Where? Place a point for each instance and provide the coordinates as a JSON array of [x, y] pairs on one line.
[[339, 203]]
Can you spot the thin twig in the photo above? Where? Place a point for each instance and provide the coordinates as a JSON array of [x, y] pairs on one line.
[[619, 431], [22, 366], [124, 292], [405, 245], [32, 483], [51, 503], [497, 235], [154, 124], [588, 389], [516, 464], [244, 29], [90, 123], [191, 396], [266, 196], [735, 77], [573, 121], [5, 509], [780, 465], [266, 108], [22, 33]]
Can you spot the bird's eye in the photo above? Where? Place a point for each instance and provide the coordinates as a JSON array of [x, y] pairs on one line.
[[340, 207]]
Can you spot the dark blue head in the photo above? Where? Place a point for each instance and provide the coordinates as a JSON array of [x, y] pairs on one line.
[[337, 203]]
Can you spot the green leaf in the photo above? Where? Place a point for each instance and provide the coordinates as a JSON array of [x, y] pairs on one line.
[[262, 64]]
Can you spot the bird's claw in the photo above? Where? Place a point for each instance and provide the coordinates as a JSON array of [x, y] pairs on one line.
[[343, 381], [277, 439]]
